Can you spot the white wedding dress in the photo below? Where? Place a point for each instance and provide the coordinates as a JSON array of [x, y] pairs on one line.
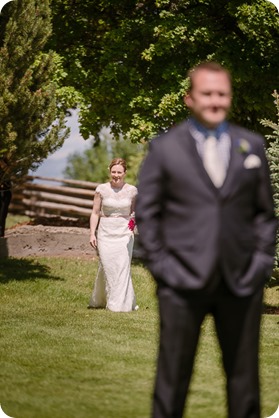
[[113, 287]]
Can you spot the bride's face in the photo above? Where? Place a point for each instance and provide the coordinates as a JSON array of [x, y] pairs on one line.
[[117, 174]]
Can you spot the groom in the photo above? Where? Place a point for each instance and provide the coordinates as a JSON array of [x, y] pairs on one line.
[[206, 222]]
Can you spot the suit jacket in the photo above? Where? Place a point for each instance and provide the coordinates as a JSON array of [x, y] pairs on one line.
[[188, 228]]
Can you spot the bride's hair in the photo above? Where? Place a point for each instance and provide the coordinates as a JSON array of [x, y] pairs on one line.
[[118, 161]]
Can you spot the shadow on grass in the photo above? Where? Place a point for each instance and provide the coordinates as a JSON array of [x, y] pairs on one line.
[[269, 309], [24, 269], [138, 262], [274, 280]]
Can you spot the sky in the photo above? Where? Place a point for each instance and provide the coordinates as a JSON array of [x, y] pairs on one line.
[[54, 165]]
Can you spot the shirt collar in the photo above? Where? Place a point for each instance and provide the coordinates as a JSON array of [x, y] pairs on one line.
[[220, 129]]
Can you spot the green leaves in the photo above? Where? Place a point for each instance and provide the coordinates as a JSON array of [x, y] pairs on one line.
[[133, 59], [273, 158]]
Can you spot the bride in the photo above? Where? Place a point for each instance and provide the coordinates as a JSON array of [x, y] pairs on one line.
[[112, 209]]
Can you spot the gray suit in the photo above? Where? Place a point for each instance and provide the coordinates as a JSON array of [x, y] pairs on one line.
[[209, 250]]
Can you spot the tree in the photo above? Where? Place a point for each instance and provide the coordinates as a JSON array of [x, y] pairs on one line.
[[92, 164], [273, 157], [129, 59], [31, 118]]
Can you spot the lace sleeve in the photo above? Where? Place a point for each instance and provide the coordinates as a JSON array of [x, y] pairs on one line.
[[97, 201], [133, 191], [133, 194], [98, 191], [97, 195]]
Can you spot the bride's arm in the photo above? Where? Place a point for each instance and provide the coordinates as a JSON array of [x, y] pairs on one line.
[[94, 219]]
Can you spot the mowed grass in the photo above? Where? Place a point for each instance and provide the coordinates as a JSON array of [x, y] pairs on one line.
[[13, 220], [61, 360]]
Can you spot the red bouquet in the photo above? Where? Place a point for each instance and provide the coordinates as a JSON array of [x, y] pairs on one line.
[[132, 224]]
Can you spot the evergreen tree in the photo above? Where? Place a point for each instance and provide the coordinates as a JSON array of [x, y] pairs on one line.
[[31, 119], [273, 157]]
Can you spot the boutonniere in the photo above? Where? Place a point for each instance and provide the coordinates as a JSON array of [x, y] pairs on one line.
[[243, 146]]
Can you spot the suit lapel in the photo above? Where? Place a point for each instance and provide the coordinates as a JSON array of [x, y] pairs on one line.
[[235, 165]]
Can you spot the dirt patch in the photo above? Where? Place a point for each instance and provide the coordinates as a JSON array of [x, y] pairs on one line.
[[41, 240], [61, 238]]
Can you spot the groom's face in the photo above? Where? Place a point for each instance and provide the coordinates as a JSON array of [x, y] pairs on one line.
[[210, 97]]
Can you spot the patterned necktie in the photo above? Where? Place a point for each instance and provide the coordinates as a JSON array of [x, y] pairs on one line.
[[212, 161]]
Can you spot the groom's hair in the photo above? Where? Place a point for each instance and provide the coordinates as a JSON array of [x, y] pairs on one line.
[[209, 66]]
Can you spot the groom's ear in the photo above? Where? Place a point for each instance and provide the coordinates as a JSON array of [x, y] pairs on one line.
[[187, 99]]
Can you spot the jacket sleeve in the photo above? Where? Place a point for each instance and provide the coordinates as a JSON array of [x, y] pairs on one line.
[[265, 227]]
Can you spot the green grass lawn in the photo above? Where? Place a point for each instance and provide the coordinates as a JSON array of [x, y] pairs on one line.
[[61, 360], [13, 220]]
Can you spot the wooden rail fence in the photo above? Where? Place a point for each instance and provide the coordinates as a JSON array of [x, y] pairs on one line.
[[39, 197]]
